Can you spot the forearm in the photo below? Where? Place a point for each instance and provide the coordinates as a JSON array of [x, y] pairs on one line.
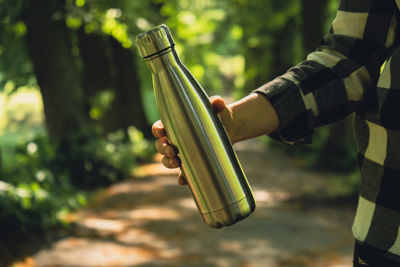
[[252, 116]]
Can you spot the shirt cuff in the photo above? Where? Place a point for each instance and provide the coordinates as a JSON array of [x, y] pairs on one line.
[[296, 123]]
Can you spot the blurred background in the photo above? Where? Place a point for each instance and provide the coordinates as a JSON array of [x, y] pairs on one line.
[[77, 104]]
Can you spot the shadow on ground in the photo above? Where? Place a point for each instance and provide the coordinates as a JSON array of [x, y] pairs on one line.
[[151, 221]]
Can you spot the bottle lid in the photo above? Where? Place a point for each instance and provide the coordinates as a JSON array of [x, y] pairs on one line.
[[154, 41]]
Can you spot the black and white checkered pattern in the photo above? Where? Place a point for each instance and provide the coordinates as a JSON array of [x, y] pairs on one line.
[[356, 69]]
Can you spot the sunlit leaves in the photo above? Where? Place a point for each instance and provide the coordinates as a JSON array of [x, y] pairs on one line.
[[186, 17], [100, 104], [14, 59], [198, 71], [113, 27], [73, 22], [20, 28], [236, 32], [143, 24], [89, 28], [79, 3]]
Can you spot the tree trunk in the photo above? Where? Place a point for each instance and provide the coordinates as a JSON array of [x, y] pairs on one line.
[[257, 61], [59, 79], [95, 56], [128, 104], [109, 66], [54, 66], [267, 61], [314, 15], [282, 51]]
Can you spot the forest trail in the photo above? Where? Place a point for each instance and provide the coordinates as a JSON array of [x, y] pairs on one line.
[[152, 221]]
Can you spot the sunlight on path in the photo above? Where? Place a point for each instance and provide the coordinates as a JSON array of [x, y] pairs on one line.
[[152, 221]]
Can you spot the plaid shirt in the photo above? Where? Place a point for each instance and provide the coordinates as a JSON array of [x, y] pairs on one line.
[[356, 69]]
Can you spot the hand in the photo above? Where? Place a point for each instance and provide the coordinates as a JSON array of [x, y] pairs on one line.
[[171, 159], [249, 117]]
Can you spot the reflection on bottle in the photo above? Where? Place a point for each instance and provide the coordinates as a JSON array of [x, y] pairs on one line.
[[209, 163]]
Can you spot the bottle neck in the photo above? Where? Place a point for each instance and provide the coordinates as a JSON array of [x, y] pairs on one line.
[[162, 60]]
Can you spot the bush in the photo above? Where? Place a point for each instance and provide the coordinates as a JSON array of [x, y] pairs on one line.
[[32, 196], [38, 187]]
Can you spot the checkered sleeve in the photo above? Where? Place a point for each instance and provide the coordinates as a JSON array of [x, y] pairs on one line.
[[325, 87]]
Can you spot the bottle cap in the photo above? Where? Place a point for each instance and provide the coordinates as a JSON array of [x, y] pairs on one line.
[[154, 41]]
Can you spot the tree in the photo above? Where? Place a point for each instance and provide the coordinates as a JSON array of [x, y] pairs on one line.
[[269, 38], [314, 16], [59, 79], [128, 103], [109, 68], [55, 69]]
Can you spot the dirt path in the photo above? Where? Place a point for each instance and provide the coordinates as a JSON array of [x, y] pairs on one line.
[[152, 221]]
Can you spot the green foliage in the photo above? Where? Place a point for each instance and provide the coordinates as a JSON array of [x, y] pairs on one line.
[[37, 191], [93, 162], [33, 196], [231, 47], [203, 29], [15, 65], [36, 186]]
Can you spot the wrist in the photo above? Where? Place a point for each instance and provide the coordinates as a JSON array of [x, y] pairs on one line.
[[252, 116]]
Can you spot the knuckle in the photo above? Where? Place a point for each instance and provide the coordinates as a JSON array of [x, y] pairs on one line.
[[174, 163], [170, 151], [165, 162]]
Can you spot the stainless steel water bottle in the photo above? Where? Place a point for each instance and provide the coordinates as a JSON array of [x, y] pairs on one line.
[[209, 163]]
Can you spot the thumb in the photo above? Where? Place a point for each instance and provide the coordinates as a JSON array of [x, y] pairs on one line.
[[218, 103], [224, 113]]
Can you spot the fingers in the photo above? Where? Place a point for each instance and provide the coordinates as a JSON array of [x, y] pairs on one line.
[[164, 148], [170, 163], [158, 129], [171, 160]]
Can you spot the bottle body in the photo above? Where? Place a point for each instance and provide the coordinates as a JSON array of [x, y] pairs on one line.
[[211, 168], [209, 163]]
